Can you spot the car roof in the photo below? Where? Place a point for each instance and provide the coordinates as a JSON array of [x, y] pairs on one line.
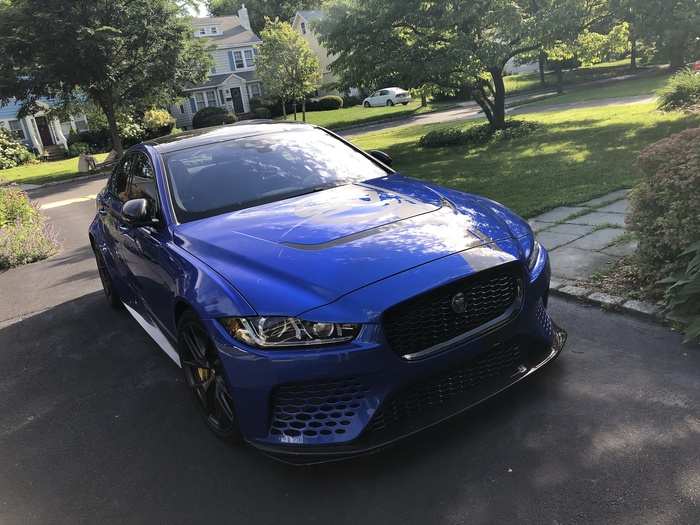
[[201, 137]]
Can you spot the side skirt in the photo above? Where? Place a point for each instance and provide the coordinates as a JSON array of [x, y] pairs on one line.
[[156, 335]]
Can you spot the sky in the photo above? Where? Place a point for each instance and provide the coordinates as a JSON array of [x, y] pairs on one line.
[[201, 11]]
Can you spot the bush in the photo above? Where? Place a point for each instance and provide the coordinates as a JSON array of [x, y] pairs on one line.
[[158, 123], [681, 92], [327, 103], [350, 101], [476, 135], [262, 113], [12, 152], [24, 237], [683, 296], [76, 149], [97, 139], [212, 116], [665, 208]]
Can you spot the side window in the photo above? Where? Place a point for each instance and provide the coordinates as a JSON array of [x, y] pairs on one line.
[[383, 92], [120, 178], [143, 180]]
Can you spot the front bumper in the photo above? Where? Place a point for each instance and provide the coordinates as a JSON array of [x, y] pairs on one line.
[[316, 406]]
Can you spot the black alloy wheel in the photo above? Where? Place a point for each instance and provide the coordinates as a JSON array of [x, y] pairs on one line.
[[106, 278], [367, 104], [389, 103], [205, 376]]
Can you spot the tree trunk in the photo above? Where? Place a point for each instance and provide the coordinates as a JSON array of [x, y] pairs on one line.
[[499, 99], [633, 49], [677, 49], [284, 109], [303, 109], [294, 106], [542, 59], [560, 77], [423, 99], [107, 105]]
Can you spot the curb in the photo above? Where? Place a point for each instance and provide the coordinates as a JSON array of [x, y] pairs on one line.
[[643, 309]]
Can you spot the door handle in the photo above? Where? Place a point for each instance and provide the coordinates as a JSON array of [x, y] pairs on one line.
[[102, 210]]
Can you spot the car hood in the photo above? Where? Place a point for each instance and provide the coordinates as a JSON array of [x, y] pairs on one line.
[[298, 254]]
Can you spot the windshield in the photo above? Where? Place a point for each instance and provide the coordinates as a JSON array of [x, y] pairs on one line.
[[240, 173]]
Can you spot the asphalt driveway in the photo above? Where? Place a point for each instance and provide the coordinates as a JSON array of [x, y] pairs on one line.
[[97, 426]]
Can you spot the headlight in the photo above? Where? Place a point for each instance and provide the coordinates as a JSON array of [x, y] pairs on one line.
[[534, 255], [266, 332]]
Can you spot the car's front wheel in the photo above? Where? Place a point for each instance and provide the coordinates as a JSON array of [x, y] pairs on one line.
[[107, 284], [389, 103], [366, 104], [204, 374]]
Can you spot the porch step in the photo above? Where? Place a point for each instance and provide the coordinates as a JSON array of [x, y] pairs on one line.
[[54, 152]]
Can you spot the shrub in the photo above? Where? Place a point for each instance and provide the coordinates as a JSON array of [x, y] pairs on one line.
[[476, 135], [683, 294], [97, 139], [24, 237], [212, 116], [262, 113], [12, 152], [682, 91], [665, 208], [327, 103], [350, 101], [157, 123], [78, 148], [130, 131]]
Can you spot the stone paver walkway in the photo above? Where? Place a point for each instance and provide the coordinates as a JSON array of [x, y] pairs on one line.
[[585, 238]]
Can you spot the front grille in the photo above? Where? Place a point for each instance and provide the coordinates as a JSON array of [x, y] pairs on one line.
[[316, 409], [430, 319], [502, 361]]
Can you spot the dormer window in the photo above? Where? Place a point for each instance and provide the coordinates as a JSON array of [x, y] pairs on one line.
[[303, 28], [214, 31], [202, 31]]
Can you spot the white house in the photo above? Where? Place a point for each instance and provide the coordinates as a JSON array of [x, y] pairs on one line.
[[47, 135], [232, 82]]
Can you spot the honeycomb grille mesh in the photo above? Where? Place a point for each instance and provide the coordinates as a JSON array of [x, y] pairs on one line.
[[544, 320], [316, 409], [429, 319], [447, 387]]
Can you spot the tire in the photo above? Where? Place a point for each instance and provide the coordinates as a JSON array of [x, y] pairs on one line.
[[389, 103], [404, 103], [367, 105], [205, 376], [107, 284]]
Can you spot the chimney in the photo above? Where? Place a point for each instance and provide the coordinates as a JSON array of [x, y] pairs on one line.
[[243, 17]]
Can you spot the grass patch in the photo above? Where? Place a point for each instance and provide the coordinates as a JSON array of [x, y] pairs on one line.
[[45, 171], [574, 156], [356, 115], [529, 81], [24, 236]]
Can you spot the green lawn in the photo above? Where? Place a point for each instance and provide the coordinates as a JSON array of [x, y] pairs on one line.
[[529, 81], [577, 155], [344, 117], [44, 171], [618, 89]]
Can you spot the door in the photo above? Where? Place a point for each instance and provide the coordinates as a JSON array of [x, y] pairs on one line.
[[44, 132], [151, 270], [237, 99]]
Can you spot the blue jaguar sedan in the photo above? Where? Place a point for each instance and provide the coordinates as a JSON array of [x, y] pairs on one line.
[[320, 304]]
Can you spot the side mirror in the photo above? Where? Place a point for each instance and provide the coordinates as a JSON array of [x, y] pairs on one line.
[[382, 157], [136, 212]]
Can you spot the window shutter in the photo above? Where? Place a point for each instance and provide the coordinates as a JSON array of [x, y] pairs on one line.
[[230, 61], [193, 106]]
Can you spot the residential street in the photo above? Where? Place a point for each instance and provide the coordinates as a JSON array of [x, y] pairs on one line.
[[97, 426]]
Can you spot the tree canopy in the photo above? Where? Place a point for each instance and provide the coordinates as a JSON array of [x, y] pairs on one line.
[[285, 64], [122, 54], [258, 10]]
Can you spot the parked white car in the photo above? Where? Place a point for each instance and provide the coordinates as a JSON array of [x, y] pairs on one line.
[[387, 97]]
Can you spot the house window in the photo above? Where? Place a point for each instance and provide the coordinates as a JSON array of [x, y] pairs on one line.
[[182, 109], [199, 100], [303, 28], [202, 31], [254, 89], [211, 98], [249, 58], [214, 30], [16, 129], [238, 58]]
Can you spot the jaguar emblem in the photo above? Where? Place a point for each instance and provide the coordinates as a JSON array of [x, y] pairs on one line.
[[459, 303]]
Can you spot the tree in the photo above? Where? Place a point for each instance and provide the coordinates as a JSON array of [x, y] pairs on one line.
[[449, 42], [286, 65], [121, 54], [258, 10]]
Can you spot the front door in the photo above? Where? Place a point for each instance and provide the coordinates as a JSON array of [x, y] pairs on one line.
[[237, 100], [43, 125]]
